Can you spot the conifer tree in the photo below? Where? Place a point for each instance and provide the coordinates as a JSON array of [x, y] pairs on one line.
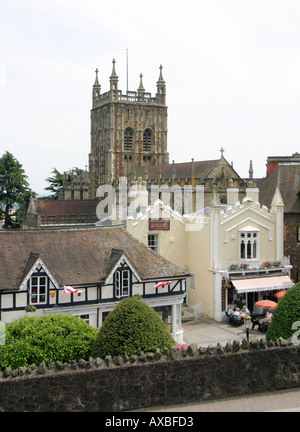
[[14, 191]]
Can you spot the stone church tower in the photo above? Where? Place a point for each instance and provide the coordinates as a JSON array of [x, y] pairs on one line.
[[128, 131]]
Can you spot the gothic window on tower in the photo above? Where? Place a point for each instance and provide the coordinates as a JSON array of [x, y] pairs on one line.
[[128, 139], [147, 140]]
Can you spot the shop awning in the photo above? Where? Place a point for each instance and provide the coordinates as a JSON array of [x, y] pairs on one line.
[[262, 284]]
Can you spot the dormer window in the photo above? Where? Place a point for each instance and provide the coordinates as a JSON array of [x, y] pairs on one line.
[[249, 244], [122, 283], [38, 289]]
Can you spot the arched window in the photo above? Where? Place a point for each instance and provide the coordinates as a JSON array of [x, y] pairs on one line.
[[147, 140], [249, 245], [128, 139]]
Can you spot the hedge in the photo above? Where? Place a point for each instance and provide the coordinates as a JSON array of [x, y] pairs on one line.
[[285, 315], [49, 338], [130, 328]]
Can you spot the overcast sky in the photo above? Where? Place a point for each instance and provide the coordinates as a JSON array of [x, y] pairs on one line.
[[232, 71]]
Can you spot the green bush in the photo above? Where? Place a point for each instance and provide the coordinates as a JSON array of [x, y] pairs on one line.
[[132, 327], [286, 313], [53, 337]]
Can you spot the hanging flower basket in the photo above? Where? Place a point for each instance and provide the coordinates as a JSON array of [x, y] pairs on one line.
[[29, 308], [52, 293]]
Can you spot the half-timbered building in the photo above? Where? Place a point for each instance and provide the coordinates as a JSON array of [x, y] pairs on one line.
[[85, 272]]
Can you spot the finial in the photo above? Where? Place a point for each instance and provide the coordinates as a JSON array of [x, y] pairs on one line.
[[96, 86], [141, 87], [96, 80], [251, 170], [160, 79], [173, 168], [222, 152], [215, 200], [113, 74]]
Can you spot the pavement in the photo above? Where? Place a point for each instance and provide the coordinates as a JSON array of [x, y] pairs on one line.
[[205, 332]]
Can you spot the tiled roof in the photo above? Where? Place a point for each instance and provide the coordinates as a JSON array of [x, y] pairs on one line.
[[66, 207], [286, 176], [78, 256]]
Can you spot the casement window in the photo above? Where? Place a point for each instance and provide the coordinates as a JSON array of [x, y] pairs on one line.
[[153, 242], [248, 245], [38, 289], [122, 283]]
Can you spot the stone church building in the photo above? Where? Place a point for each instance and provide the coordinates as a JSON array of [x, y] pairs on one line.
[[129, 139]]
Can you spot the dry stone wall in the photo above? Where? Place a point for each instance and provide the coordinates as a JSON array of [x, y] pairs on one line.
[[157, 379]]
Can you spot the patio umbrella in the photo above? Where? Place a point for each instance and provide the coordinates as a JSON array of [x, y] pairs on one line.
[[280, 294], [266, 304]]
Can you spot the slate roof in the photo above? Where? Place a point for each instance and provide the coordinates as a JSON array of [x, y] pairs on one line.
[[79, 256], [287, 177], [182, 170]]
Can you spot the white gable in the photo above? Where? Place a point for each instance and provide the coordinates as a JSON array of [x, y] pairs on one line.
[[37, 266], [123, 260]]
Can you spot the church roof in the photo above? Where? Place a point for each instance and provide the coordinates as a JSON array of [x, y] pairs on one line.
[[182, 170], [77, 256]]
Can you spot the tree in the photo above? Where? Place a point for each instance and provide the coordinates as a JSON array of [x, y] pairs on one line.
[[56, 181], [130, 328], [285, 315], [14, 191]]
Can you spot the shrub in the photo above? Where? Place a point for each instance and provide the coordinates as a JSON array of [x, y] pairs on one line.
[[53, 337], [285, 314], [132, 327]]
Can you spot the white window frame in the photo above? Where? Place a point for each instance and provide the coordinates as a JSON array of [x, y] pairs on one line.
[[250, 238], [38, 287], [155, 244], [122, 283]]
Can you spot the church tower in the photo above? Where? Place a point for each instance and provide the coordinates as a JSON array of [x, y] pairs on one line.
[[128, 131]]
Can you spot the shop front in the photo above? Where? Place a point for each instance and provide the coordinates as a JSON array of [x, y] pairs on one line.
[[250, 290]]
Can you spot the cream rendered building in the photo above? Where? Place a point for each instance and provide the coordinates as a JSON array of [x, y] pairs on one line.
[[234, 251]]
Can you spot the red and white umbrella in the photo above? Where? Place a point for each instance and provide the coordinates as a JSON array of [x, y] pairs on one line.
[[162, 284]]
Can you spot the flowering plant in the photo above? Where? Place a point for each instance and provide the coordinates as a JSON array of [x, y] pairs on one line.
[[29, 308]]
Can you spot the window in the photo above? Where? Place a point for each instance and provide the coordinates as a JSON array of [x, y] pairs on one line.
[[85, 318], [147, 140], [122, 282], [38, 289], [128, 139], [298, 234], [248, 245], [153, 242]]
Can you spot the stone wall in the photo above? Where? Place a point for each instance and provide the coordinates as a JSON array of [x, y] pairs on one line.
[[156, 379]]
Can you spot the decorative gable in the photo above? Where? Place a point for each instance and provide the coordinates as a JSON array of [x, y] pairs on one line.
[[35, 265], [118, 259]]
